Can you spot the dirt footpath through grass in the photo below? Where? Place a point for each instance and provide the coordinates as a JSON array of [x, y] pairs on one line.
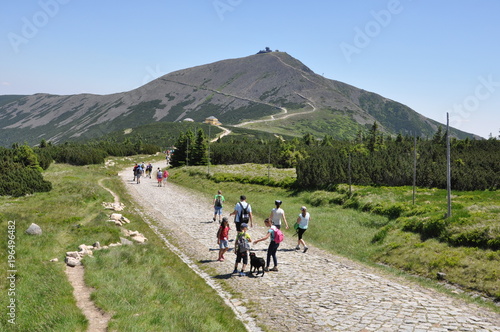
[[313, 291]]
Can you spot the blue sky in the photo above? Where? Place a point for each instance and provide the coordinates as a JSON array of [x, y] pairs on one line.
[[434, 56]]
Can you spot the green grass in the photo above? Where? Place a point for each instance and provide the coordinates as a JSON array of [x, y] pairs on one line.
[[368, 226], [144, 287]]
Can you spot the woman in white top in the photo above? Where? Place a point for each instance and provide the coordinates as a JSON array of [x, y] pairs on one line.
[[277, 214], [303, 223]]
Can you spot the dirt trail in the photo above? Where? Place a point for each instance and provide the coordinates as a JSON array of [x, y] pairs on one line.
[[98, 320], [313, 291]]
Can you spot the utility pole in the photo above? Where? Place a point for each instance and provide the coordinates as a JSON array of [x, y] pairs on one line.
[[414, 167], [448, 164], [187, 151], [269, 164], [349, 172], [209, 126]]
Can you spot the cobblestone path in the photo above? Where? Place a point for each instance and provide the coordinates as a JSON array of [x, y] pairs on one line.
[[313, 291]]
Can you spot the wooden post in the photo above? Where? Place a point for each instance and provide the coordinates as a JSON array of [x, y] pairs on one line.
[[208, 168], [448, 164], [414, 168], [349, 173], [269, 165]]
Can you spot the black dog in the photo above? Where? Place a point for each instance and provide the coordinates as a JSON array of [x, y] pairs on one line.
[[256, 263]]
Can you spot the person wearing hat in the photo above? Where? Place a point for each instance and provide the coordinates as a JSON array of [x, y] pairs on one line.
[[303, 223], [241, 247], [223, 238], [277, 214]]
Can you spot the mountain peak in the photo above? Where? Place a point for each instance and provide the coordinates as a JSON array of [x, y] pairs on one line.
[[270, 91]]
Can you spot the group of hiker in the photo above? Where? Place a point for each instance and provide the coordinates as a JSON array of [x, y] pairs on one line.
[[141, 170], [243, 218]]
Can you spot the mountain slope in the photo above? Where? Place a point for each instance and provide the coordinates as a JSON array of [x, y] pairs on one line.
[[275, 88]]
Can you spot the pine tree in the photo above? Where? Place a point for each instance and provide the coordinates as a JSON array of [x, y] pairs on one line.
[[200, 149]]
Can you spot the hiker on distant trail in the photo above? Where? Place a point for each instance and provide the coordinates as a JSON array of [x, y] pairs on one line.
[[159, 176], [241, 248], [242, 212], [138, 173], [218, 202], [277, 214], [135, 171], [301, 226], [149, 170], [223, 238], [165, 177], [273, 245]]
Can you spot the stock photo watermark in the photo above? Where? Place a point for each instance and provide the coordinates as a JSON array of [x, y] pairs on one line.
[[364, 35], [152, 74], [32, 25], [223, 6], [470, 104], [11, 272]]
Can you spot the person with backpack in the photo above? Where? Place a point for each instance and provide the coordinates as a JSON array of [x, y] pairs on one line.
[[242, 212], [276, 238], [223, 238], [138, 173], [301, 226], [149, 170], [278, 214], [218, 200], [159, 176], [241, 248], [135, 171]]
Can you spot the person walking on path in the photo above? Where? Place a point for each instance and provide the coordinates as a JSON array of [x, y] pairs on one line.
[[138, 173], [277, 214], [223, 238], [273, 245], [242, 212], [302, 224], [135, 171], [149, 170], [159, 177], [241, 248], [218, 201], [165, 177]]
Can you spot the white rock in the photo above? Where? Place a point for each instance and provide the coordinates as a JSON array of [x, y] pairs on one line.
[[34, 229], [54, 260], [139, 238], [126, 242], [70, 261], [74, 254], [115, 216]]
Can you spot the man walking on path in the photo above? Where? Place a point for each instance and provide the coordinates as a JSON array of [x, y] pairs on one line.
[[242, 212]]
